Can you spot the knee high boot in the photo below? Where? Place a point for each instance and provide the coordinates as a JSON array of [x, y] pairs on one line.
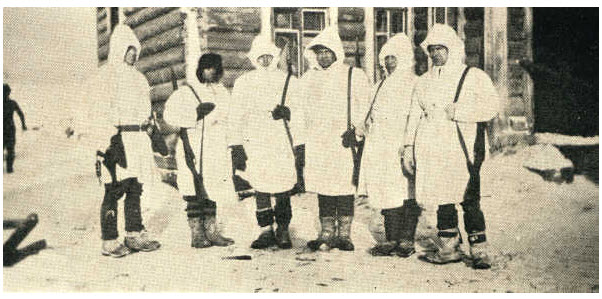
[[345, 213], [326, 237], [393, 221], [411, 213], [265, 220], [195, 222], [448, 238], [283, 214], [210, 225]]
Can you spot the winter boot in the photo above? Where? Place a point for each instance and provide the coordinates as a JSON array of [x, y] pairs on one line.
[[283, 214], [393, 220], [405, 248], [326, 236], [212, 233], [139, 241], [478, 251], [448, 248], [113, 248], [266, 239], [411, 212], [343, 242], [198, 238]]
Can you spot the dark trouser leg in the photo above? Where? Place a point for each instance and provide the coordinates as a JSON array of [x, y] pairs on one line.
[[108, 211], [283, 214], [133, 214], [393, 219], [474, 223], [264, 212], [411, 213], [327, 205], [9, 144]]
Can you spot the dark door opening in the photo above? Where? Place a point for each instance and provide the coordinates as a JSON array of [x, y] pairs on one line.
[[565, 70]]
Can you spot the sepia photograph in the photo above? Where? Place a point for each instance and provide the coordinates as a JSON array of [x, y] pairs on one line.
[[300, 149]]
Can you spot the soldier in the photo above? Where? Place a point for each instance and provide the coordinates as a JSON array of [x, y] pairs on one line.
[[332, 103], [451, 106], [386, 185], [10, 107], [266, 139], [204, 166], [122, 99]]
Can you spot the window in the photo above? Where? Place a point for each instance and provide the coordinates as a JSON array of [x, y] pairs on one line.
[[294, 28], [442, 15], [387, 22]]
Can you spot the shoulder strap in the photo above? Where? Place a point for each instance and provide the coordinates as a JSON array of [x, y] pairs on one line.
[[285, 90], [349, 97], [196, 95], [374, 99], [461, 83]]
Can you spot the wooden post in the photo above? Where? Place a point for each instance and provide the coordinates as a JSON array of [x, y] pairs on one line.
[[266, 21], [496, 48], [333, 16], [461, 23], [369, 55], [192, 48], [528, 89]]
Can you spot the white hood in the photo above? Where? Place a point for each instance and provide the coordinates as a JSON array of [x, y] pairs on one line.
[[121, 39], [399, 46], [446, 36], [263, 45], [330, 39]]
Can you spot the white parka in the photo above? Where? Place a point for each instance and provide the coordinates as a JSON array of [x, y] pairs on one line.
[[322, 102], [212, 132], [441, 171], [381, 174], [271, 163], [118, 94]]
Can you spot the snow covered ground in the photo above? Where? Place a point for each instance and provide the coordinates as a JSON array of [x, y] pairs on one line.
[[543, 236]]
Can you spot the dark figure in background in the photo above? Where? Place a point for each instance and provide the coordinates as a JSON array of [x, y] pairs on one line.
[[10, 106]]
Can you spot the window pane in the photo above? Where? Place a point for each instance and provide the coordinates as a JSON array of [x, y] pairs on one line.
[[397, 21], [283, 20], [313, 20], [440, 15], [381, 20]]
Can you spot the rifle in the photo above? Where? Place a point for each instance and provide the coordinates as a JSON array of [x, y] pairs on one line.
[[357, 148]]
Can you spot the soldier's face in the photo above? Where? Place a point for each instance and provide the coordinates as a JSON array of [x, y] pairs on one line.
[[265, 60], [390, 63], [438, 54], [324, 56], [130, 56], [209, 74]]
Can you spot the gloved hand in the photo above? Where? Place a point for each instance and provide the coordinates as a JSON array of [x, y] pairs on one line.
[[239, 157], [349, 139], [281, 112], [203, 110]]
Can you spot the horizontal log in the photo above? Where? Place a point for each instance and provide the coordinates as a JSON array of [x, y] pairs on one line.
[[138, 18], [160, 24], [162, 59], [238, 41], [350, 31], [516, 50], [103, 39], [101, 14], [102, 27], [161, 92], [230, 76], [128, 11], [351, 47], [233, 19], [473, 45], [163, 75], [473, 29], [235, 60], [163, 41], [351, 14], [103, 52]]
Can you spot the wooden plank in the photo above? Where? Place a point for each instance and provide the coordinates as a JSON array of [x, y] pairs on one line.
[[232, 19], [163, 75], [351, 14], [162, 59], [101, 27], [144, 15], [158, 25], [351, 47], [128, 11], [101, 14], [238, 41], [350, 31], [161, 92], [163, 41]]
